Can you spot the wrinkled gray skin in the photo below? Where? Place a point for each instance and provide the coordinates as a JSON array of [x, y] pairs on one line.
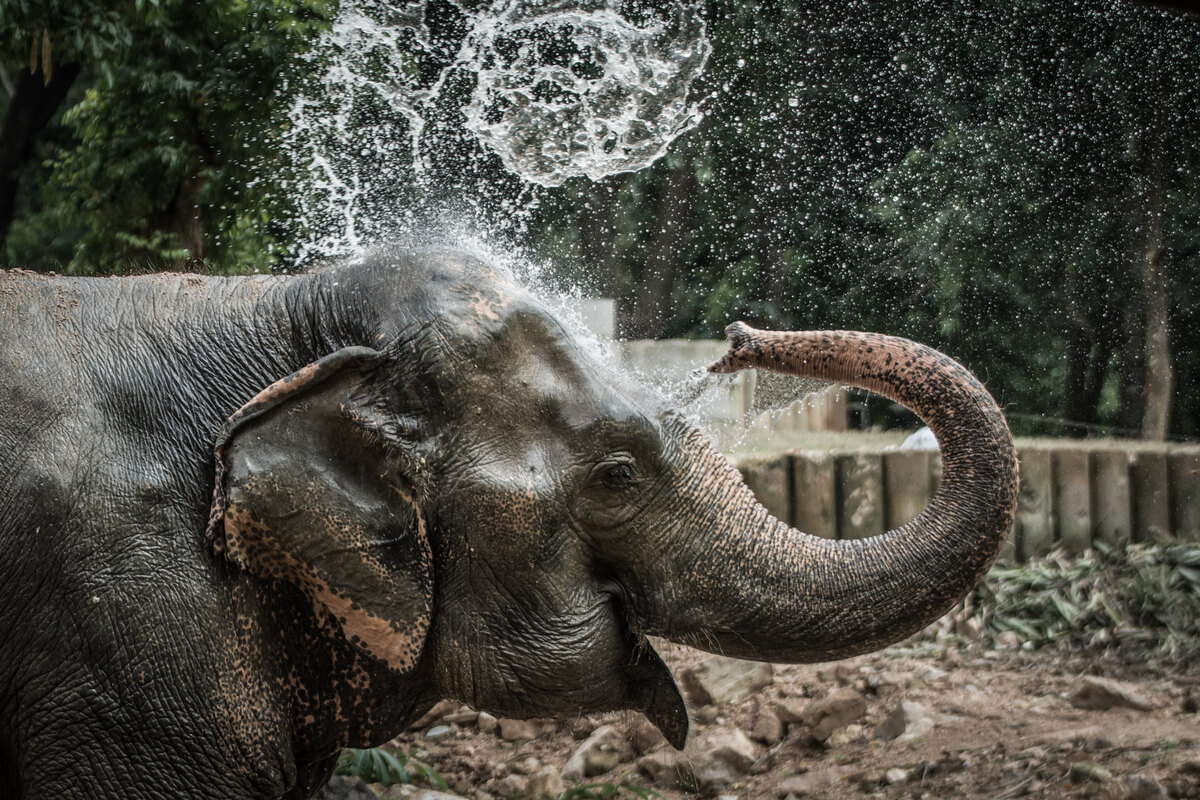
[[245, 522]]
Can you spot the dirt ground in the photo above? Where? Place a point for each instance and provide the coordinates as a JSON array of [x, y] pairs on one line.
[[980, 723]]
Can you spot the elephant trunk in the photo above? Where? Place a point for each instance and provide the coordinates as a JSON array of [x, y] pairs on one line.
[[756, 588]]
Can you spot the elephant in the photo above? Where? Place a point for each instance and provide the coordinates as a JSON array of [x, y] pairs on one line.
[[248, 521]]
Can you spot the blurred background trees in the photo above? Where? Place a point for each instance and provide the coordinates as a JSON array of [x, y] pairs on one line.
[[1017, 184]]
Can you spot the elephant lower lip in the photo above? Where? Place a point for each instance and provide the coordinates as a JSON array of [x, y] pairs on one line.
[[654, 692]]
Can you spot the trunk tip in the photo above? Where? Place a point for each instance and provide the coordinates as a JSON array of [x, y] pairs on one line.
[[739, 335]]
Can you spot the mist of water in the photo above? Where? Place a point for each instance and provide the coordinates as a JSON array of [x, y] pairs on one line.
[[425, 122], [407, 103]]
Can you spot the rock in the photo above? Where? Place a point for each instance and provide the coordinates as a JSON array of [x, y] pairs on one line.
[[768, 728], [404, 791], [487, 723], [838, 709], [896, 775], [1135, 787], [867, 780], [843, 673], [931, 674], [512, 786], [581, 727], [1009, 640], [341, 787], [1082, 771], [518, 730], [438, 732], [908, 721], [667, 769], [599, 753], [545, 784], [844, 736], [1101, 694], [721, 757], [464, 717], [440, 709], [725, 680], [810, 783], [526, 766], [790, 712]]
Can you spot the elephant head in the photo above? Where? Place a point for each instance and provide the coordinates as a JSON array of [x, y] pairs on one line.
[[466, 494]]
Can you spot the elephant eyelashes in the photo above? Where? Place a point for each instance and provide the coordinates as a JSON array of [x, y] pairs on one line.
[[619, 476]]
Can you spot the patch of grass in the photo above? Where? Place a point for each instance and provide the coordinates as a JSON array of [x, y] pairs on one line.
[[386, 766], [1141, 599]]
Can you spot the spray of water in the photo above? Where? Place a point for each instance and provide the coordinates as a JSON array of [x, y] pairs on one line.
[[445, 121], [416, 112]]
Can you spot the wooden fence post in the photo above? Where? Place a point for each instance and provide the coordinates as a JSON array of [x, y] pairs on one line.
[[1072, 490], [814, 494], [771, 481], [907, 477], [1151, 496], [1184, 469], [1111, 505], [860, 487], [1035, 526]]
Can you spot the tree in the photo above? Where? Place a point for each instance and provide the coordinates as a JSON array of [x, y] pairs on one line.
[[162, 152]]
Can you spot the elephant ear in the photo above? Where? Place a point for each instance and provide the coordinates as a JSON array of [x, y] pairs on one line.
[[309, 492]]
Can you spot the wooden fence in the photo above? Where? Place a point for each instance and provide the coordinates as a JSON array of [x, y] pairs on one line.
[[1072, 494]]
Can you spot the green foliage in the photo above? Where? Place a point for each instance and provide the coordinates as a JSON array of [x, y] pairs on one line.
[[1140, 599], [159, 161], [386, 766]]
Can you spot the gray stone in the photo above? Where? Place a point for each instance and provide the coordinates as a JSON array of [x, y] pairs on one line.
[[1135, 787], [487, 723], [811, 783], [721, 757], [790, 712], [404, 791], [908, 721], [518, 730], [725, 680], [439, 710], [341, 787], [438, 732], [1082, 771], [768, 728], [844, 736], [838, 709], [599, 753], [1101, 694], [512, 786], [545, 784], [896, 775], [667, 769]]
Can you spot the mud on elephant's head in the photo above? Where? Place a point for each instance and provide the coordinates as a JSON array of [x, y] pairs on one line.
[[471, 494]]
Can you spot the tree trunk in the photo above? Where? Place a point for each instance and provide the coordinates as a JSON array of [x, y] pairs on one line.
[[1149, 243], [652, 303], [33, 105], [185, 220], [1160, 377]]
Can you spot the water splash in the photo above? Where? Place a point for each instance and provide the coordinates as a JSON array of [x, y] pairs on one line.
[[415, 112], [577, 92]]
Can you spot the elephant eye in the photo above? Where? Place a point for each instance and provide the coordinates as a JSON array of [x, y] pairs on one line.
[[619, 476]]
